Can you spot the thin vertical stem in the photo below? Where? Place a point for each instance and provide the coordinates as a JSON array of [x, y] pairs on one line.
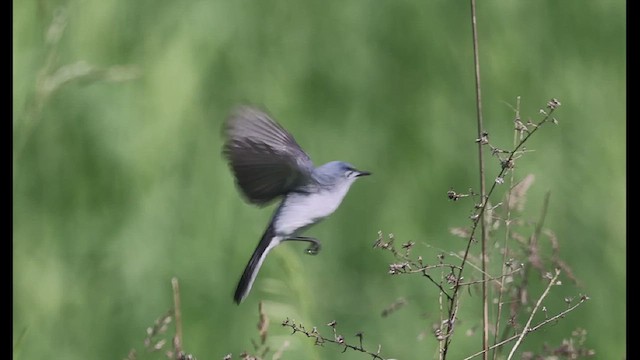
[[177, 340], [485, 298], [507, 234]]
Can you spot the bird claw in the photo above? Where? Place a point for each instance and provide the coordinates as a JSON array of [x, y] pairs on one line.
[[314, 244], [313, 249]]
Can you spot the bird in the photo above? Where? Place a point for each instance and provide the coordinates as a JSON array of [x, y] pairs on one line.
[[268, 164]]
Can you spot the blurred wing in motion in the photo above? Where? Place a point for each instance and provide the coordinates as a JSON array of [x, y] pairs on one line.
[[264, 158]]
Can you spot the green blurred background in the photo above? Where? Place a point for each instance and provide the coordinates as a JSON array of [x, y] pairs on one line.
[[118, 182]]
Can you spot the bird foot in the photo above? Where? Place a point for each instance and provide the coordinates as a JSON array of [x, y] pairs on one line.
[[314, 244], [313, 249]]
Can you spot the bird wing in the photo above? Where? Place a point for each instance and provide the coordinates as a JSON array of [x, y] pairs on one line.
[[265, 159]]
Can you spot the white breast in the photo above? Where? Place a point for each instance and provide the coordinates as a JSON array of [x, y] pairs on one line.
[[302, 210]]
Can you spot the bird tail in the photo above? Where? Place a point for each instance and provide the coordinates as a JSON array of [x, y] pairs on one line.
[[268, 242]]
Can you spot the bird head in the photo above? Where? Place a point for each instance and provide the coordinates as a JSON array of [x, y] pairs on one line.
[[337, 172]]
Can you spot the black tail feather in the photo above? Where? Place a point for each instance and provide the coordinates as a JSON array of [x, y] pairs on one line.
[[253, 266]]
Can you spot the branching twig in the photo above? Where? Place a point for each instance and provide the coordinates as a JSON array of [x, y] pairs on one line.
[[507, 165], [560, 315], [494, 278], [533, 313], [337, 339], [410, 265]]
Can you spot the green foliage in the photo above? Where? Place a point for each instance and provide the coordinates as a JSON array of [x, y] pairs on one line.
[[118, 182]]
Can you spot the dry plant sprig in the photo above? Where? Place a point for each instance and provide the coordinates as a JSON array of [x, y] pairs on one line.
[[320, 340], [553, 282], [409, 265], [483, 211], [494, 278], [508, 163], [261, 349], [156, 339], [478, 219], [529, 249], [531, 329]]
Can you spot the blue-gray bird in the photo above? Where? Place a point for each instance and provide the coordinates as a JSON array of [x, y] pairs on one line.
[[268, 164]]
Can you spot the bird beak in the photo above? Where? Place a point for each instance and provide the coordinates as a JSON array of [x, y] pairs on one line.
[[363, 173]]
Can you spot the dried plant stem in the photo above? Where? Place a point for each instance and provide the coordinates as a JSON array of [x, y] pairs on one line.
[[177, 339], [337, 339], [480, 126], [441, 344], [482, 207], [532, 329], [485, 297], [527, 329], [493, 278], [507, 234]]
